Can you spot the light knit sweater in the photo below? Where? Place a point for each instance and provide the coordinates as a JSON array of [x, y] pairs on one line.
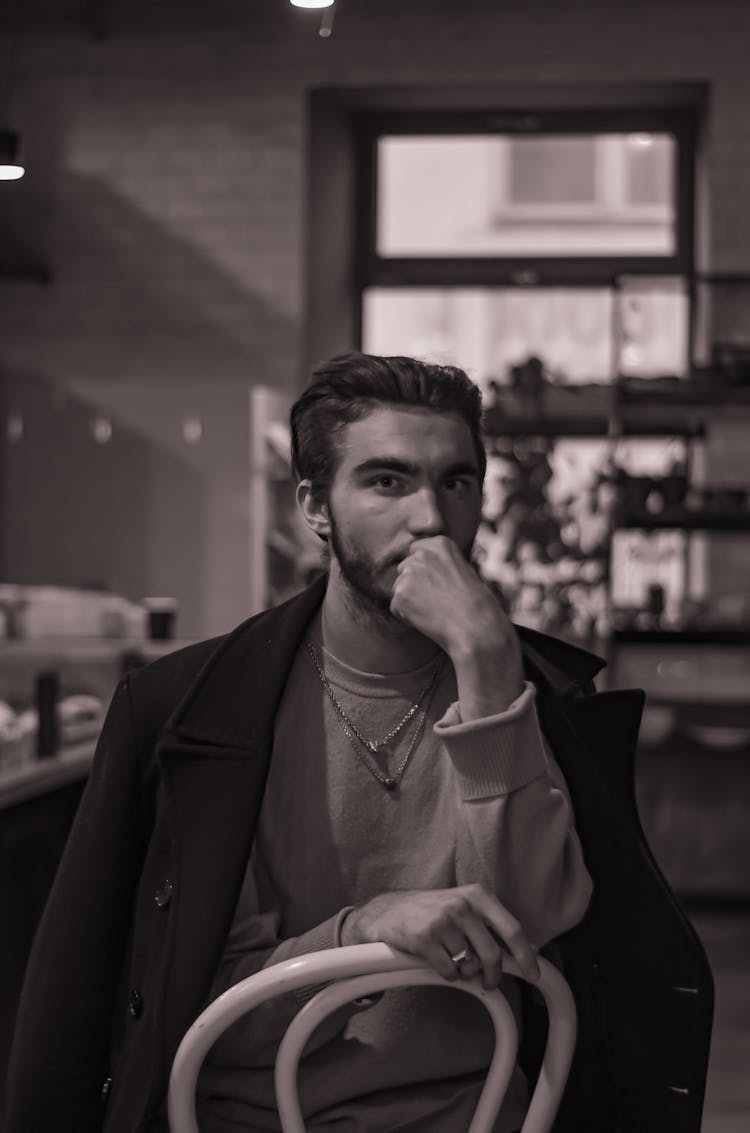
[[481, 801]]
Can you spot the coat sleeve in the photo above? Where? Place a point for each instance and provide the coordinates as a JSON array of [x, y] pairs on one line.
[[60, 1051]]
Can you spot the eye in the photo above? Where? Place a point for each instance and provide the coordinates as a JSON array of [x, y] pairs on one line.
[[457, 484], [385, 482]]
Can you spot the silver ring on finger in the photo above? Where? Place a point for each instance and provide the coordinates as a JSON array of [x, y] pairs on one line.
[[461, 957]]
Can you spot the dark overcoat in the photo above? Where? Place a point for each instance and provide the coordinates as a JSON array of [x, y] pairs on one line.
[[147, 887]]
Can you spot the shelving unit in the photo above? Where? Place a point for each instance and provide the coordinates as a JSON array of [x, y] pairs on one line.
[[683, 409], [686, 521], [693, 779], [704, 635]]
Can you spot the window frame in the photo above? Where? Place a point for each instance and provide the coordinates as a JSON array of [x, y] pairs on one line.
[[375, 270]]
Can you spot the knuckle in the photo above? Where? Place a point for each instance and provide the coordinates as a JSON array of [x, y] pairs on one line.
[[441, 922], [514, 934], [424, 938], [460, 908]]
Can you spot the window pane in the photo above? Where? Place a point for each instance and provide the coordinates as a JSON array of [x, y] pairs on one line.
[[654, 326], [544, 541], [553, 171], [681, 579], [487, 331], [649, 169], [546, 195]]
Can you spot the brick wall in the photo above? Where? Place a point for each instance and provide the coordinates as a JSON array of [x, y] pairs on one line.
[[165, 190]]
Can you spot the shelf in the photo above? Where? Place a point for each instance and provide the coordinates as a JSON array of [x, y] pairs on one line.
[[654, 407], [705, 390], [704, 635], [500, 426], [684, 521]]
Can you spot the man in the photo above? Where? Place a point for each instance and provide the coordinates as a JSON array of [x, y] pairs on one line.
[[366, 762]]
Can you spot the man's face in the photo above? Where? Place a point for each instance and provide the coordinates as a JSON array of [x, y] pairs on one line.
[[403, 474]]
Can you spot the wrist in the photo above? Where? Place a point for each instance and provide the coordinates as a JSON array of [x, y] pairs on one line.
[[497, 662], [488, 681], [487, 638]]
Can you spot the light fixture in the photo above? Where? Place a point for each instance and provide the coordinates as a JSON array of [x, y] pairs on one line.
[[641, 141], [101, 430], [14, 427], [192, 429], [10, 167], [312, 3]]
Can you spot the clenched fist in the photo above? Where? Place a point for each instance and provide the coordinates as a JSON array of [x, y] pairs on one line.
[[440, 594]]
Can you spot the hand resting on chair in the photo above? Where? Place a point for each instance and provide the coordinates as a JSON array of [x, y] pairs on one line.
[[438, 924]]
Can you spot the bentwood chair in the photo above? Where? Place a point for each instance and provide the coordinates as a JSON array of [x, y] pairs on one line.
[[360, 970]]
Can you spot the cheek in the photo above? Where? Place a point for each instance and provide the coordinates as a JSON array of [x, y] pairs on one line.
[[375, 516], [463, 518], [364, 525]]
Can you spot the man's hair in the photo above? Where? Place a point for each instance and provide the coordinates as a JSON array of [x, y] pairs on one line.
[[350, 386]]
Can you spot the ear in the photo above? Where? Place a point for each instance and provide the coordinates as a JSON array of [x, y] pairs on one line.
[[314, 510]]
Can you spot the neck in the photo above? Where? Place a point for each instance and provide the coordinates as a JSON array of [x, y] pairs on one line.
[[367, 638]]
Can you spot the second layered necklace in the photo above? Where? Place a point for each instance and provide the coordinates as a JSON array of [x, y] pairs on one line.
[[361, 744]]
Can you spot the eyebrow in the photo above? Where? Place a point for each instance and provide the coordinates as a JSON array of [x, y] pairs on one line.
[[407, 468]]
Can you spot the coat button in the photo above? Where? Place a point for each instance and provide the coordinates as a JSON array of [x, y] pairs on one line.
[[135, 1004], [163, 894]]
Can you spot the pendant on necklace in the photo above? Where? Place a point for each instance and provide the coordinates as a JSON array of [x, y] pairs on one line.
[[373, 746], [390, 784]]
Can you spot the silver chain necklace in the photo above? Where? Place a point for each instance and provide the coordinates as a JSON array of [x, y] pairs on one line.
[[372, 745], [352, 733]]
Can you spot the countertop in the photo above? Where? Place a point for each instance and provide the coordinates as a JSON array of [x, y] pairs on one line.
[[83, 664], [40, 776]]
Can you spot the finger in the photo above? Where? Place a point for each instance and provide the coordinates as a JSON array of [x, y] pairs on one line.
[[438, 958], [469, 967], [524, 954], [509, 930], [488, 952], [456, 944]]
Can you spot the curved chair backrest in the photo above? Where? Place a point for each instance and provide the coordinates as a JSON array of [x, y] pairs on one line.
[[362, 969]]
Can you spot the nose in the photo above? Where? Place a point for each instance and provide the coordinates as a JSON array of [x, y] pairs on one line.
[[425, 517]]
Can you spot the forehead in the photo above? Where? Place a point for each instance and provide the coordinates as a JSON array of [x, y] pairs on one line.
[[420, 436]]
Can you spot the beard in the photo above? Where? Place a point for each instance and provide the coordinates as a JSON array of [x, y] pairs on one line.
[[368, 590], [363, 575]]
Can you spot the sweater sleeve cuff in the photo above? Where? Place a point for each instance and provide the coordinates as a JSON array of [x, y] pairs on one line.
[[496, 754], [323, 936]]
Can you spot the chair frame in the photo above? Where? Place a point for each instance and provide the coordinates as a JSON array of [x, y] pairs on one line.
[[363, 969]]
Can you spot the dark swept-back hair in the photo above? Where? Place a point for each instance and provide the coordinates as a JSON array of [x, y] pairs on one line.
[[348, 387]]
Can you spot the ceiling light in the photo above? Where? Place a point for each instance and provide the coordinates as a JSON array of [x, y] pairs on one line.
[[312, 3], [10, 167], [641, 141]]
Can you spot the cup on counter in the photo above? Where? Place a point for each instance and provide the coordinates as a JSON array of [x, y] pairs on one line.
[[162, 617]]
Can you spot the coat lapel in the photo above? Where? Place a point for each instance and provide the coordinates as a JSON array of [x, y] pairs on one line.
[[213, 759], [234, 699]]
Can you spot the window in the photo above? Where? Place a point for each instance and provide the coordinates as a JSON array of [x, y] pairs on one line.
[[566, 195], [487, 238]]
